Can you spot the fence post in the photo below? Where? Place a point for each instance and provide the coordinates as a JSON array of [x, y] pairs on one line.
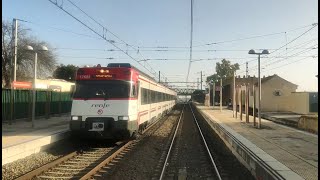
[[50, 100], [30, 105], [235, 100], [47, 110], [254, 105], [12, 105], [247, 102], [240, 107], [60, 102]]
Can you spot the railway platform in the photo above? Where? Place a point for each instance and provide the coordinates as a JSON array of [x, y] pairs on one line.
[[273, 152], [20, 140]]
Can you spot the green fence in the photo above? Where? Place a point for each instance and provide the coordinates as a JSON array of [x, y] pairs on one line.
[[47, 103]]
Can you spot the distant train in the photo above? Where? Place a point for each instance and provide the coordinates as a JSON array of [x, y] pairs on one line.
[[117, 101]]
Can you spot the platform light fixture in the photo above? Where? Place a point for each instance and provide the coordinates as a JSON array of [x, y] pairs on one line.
[[30, 48], [259, 82]]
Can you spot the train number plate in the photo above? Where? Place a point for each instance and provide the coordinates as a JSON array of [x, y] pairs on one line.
[[97, 126]]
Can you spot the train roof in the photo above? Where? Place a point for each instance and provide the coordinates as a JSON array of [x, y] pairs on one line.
[[128, 65]]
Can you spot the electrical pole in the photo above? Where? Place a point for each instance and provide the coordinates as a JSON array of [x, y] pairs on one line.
[[201, 79], [236, 100], [198, 82], [221, 95], [247, 70], [209, 95], [15, 24], [213, 93], [15, 35], [254, 105], [234, 94], [191, 32], [247, 95]]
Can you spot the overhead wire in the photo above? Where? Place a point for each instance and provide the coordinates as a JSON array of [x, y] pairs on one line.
[[107, 30], [285, 58], [314, 56], [313, 26], [191, 32], [102, 36], [257, 36]]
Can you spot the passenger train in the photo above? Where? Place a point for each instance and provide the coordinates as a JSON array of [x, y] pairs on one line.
[[117, 101]]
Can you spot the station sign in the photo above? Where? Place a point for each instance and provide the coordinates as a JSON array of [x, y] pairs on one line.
[[21, 84]]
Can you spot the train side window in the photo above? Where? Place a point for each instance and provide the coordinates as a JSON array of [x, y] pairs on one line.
[[159, 97], [149, 96], [144, 96], [162, 97], [153, 97], [138, 88]]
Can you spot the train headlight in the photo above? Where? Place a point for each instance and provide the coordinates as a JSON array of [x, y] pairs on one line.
[[123, 117], [76, 118]]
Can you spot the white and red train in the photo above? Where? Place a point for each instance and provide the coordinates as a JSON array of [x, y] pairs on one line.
[[116, 101]]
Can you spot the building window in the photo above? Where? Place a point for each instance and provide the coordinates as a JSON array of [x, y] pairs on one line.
[[277, 93]]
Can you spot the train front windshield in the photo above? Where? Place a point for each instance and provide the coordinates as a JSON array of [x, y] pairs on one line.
[[104, 89]]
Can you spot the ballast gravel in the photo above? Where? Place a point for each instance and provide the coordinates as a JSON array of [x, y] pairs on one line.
[[17, 168], [140, 163], [20, 167]]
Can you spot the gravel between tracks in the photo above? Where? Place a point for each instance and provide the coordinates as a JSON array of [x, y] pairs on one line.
[[189, 153], [142, 160], [17, 168]]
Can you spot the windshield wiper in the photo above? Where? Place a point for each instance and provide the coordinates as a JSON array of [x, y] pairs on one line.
[[86, 98], [106, 96]]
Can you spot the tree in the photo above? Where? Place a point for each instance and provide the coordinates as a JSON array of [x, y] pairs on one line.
[[198, 96], [25, 59], [223, 69], [65, 72]]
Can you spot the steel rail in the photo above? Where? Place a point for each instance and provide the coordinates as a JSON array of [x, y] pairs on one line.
[[95, 168], [105, 162], [169, 151], [205, 143], [46, 167]]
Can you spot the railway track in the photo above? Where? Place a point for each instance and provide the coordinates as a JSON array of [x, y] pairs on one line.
[[188, 155], [84, 164], [78, 165]]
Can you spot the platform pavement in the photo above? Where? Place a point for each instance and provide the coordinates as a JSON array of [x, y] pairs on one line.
[[20, 140], [297, 150]]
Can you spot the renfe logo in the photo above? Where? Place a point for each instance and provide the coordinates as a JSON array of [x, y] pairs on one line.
[[100, 111], [100, 105]]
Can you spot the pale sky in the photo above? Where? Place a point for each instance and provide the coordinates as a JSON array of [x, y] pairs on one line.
[[161, 30]]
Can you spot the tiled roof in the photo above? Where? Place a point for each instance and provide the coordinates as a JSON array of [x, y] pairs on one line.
[[265, 79]]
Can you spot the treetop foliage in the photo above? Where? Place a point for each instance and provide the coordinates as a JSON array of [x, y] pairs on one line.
[[223, 70]]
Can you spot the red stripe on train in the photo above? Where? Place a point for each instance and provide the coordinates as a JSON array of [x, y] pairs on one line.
[[105, 99]]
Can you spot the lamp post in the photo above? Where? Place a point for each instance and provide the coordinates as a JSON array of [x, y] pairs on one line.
[[30, 48], [259, 83]]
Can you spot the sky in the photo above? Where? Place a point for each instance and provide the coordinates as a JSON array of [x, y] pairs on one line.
[[159, 34]]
